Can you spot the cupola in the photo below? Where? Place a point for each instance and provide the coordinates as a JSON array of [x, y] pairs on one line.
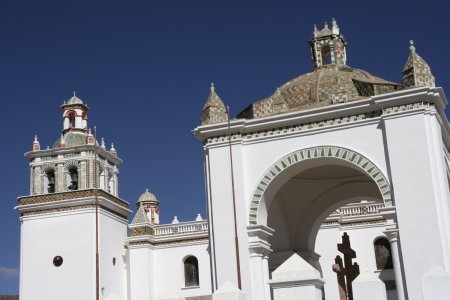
[[150, 204]]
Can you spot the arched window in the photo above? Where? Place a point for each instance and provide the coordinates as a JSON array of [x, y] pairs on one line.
[[73, 173], [191, 271], [326, 55], [50, 181], [71, 120], [383, 253]]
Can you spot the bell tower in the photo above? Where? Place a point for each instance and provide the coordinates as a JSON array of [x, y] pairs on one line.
[[328, 46], [73, 200]]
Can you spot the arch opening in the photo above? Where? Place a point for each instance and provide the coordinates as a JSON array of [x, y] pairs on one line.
[[301, 190], [73, 178]]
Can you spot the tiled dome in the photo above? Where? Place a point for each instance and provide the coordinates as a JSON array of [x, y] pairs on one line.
[[147, 197], [72, 138], [323, 86], [74, 100]]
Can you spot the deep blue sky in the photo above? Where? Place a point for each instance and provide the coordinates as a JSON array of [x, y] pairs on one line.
[[144, 68]]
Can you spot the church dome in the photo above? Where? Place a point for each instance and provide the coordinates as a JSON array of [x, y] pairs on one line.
[[325, 85], [147, 197], [330, 82], [74, 100], [72, 138]]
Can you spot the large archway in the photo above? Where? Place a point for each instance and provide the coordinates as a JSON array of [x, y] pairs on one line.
[[303, 188], [299, 161]]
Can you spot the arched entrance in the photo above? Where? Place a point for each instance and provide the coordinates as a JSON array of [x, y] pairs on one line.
[[303, 188]]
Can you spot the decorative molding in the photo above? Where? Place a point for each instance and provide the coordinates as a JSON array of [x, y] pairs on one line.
[[306, 126], [347, 155], [54, 197]]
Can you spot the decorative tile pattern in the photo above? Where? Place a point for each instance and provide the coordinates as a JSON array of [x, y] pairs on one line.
[[141, 216], [54, 197], [319, 124], [317, 152], [214, 110], [70, 208], [416, 71]]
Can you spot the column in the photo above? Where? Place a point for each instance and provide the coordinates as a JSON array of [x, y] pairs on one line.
[[60, 178], [83, 175], [392, 235], [259, 250], [266, 277]]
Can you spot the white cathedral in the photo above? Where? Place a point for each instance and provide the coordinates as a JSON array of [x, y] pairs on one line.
[[335, 187]]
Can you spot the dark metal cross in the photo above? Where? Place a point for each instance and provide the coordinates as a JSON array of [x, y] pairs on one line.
[[346, 272]]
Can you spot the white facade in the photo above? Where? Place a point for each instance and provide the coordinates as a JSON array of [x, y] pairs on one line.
[[334, 152]]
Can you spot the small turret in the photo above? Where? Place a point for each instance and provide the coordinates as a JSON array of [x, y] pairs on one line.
[[113, 150], [151, 206], [36, 145], [328, 46], [91, 139], [416, 71], [214, 110]]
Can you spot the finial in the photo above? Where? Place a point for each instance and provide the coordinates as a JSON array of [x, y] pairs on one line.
[[333, 22], [315, 28], [175, 220], [74, 94], [325, 25], [112, 150], [89, 132], [48, 147], [212, 87], [146, 190], [36, 139], [103, 143], [411, 46], [199, 218]]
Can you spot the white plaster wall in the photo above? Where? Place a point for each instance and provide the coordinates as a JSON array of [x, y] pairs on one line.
[[251, 161], [221, 219], [169, 270], [365, 138], [69, 235], [140, 273], [113, 231], [420, 213]]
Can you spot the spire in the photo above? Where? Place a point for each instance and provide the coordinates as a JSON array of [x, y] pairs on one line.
[[334, 26], [416, 71], [214, 110], [102, 143], [113, 150], [36, 145], [412, 49]]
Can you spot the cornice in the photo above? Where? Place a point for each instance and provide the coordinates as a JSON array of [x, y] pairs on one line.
[[320, 118], [57, 202], [66, 150]]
